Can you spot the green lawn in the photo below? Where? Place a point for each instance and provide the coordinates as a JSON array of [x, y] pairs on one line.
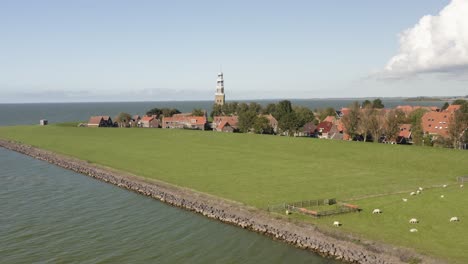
[[260, 170]]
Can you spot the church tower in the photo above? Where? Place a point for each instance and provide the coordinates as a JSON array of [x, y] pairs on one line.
[[219, 95]]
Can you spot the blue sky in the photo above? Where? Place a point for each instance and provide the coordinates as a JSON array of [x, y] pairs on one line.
[[172, 50]]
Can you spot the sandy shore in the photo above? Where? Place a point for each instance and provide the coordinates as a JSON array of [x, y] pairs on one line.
[[302, 235]]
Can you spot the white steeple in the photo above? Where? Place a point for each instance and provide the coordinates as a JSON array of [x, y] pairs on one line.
[[219, 95]]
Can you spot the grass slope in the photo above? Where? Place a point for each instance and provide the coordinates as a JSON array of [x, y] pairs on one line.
[[261, 170]]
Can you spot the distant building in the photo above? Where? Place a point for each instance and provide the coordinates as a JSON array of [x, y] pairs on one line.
[[219, 95], [185, 121], [220, 123], [43, 122], [149, 121], [436, 123], [100, 121]]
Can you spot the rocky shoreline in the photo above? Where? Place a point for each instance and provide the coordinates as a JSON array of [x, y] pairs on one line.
[[301, 235]]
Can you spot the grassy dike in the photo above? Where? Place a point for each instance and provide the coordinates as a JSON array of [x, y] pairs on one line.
[[261, 170]]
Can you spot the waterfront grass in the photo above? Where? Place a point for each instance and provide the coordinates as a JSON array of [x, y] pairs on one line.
[[260, 170]]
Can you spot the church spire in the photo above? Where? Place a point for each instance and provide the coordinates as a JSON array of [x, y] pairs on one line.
[[219, 95]]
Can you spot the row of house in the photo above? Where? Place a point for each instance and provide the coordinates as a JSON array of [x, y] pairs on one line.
[[135, 121], [435, 122]]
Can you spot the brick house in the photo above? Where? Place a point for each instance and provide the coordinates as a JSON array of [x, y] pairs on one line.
[[100, 121], [149, 122], [436, 123], [185, 121], [220, 122]]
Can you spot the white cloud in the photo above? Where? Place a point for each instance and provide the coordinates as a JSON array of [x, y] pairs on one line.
[[437, 44]]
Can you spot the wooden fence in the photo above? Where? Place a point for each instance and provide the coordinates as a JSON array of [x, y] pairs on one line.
[[462, 179], [301, 207]]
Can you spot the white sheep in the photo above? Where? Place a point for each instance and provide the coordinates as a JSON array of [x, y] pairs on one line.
[[405, 200], [413, 221], [412, 193], [454, 219], [336, 223], [413, 230], [444, 186], [377, 211], [287, 212], [420, 188], [418, 192], [442, 196], [461, 185]]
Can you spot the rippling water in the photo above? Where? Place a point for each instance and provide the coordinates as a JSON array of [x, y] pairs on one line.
[[52, 215]]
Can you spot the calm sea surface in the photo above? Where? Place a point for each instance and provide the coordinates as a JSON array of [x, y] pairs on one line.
[[52, 215]]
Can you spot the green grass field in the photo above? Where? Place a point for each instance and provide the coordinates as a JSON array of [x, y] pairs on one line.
[[260, 170]]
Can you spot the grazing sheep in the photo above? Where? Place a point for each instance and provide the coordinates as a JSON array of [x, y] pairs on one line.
[[461, 185], [442, 196], [413, 230], [412, 193], [405, 200], [444, 186], [420, 188], [377, 211], [418, 192], [287, 212], [413, 221], [454, 219], [336, 223]]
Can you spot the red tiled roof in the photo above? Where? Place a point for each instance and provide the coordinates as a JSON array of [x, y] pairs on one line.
[[340, 126], [345, 111], [324, 127], [330, 119], [452, 108], [193, 120], [147, 118], [436, 122], [220, 121], [405, 130], [95, 120]]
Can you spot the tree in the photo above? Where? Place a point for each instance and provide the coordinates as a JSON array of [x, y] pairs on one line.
[[366, 103], [393, 120], [269, 109], [154, 111], [417, 133], [168, 112], [262, 126], [445, 106], [304, 115], [377, 103], [217, 110], [256, 107], [198, 112], [243, 107], [123, 119], [458, 128], [323, 113], [288, 123], [351, 120], [246, 120], [460, 102], [376, 125], [365, 121], [282, 108]]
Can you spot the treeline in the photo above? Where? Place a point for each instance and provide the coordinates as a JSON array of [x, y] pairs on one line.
[[252, 116]]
